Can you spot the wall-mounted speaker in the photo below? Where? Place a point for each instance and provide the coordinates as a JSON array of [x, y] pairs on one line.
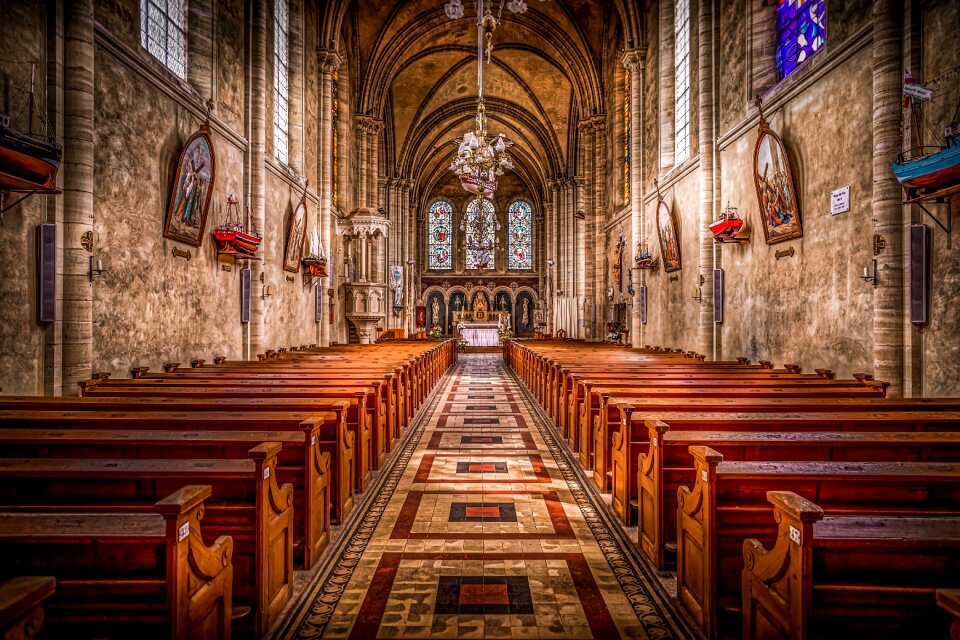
[[46, 272], [718, 296], [318, 312], [919, 272], [643, 304], [245, 295]]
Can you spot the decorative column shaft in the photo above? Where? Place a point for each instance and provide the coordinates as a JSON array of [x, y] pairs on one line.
[[258, 145], [329, 62], [707, 126], [78, 158], [633, 60], [362, 166], [888, 330]]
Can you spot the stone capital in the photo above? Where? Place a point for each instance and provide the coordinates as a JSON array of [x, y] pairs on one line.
[[329, 60], [633, 59], [592, 124]]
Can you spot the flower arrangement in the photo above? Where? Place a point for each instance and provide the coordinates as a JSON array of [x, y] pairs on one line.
[[436, 332], [505, 333], [615, 331], [461, 345]]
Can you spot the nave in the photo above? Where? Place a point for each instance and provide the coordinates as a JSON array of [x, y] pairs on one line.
[[483, 526]]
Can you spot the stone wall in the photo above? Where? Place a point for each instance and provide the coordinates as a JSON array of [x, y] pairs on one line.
[[150, 307]]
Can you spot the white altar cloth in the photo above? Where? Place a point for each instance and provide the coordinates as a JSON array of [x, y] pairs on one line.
[[481, 335]]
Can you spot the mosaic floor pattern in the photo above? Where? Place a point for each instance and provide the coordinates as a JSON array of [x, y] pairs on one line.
[[480, 527]]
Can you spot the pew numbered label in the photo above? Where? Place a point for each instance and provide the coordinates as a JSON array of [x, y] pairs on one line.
[[183, 532], [313, 440], [703, 475], [794, 534], [266, 473], [655, 442]]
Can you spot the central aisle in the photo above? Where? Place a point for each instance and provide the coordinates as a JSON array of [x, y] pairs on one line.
[[480, 528]]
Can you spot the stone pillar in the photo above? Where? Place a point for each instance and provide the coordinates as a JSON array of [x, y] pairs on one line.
[[707, 139], [633, 60], [53, 334], [258, 145], [888, 315], [375, 129], [78, 157], [362, 165], [329, 61]]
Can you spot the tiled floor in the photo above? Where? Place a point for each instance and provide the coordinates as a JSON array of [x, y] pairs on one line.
[[481, 528]]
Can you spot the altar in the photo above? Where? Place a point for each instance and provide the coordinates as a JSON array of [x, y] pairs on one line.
[[481, 334]]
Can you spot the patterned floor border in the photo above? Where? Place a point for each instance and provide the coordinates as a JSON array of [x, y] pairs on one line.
[[319, 600]]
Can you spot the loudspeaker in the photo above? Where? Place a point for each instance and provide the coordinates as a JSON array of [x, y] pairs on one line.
[[318, 312], [718, 296], [245, 295], [643, 304], [46, 272], [919, 270]]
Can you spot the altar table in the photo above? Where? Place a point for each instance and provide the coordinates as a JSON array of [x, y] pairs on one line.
[[481, 335]]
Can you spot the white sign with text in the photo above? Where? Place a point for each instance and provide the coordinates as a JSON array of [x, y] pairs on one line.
[[840, 201]]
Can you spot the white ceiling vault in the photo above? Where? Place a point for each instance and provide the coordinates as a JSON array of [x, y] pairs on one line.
[[415, 69]]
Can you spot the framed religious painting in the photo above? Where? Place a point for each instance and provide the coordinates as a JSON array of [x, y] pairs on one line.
[[776, 195], [669, 237], [296, 231], [192, 190]]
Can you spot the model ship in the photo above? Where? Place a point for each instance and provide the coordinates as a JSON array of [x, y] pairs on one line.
[[28, 162], [926, 173], [231, 235], [315, 262], [936, 170], [643, 259], [727, 225]]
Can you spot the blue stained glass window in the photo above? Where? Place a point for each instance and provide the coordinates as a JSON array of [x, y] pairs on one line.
[[801, 29], [441, 235], [480, 234], [520, 229]]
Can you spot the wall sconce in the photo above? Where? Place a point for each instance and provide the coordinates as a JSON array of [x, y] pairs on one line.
[[267, 291], [867, 277], [99, 271], [699, 295]]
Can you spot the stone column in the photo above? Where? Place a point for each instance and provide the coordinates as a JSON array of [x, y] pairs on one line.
[[707, 139], [362, 166], [375, 129], [329, 61], [888, 354], [258, 145], [53, 334], [633, 60], [78, 157]]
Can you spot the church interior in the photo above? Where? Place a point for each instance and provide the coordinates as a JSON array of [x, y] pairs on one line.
[[479, 319]]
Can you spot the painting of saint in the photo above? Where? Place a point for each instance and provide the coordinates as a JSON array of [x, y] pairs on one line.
[[192, 190], [779, 214], [669, 238], [295, 236]]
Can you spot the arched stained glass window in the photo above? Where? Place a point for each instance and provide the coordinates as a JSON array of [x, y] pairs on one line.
[[480, 230], [801, 29], [441, 235], [520, 230]]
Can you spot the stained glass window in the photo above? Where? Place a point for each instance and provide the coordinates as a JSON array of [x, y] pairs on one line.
[[441, 235], [626, 135], [335, 93], [682, 88], [163, 33], [480, 229], [801, 29], [520, 229], [281, 34]]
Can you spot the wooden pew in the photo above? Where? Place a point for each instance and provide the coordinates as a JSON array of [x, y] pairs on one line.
[[843, 577], [594, 427], [666, 464], [21, 605], [146, 575], [727, 504], [949, 601], [301, 462], [249, 505], [323, 400]]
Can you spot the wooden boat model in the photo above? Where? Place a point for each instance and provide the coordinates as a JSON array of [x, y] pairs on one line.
[[643, 259], [727, 225], [315, 262], [934, 171], [231, 236], [28, 162]]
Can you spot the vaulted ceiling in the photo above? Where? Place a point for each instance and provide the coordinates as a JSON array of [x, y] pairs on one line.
[[417, 70]]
